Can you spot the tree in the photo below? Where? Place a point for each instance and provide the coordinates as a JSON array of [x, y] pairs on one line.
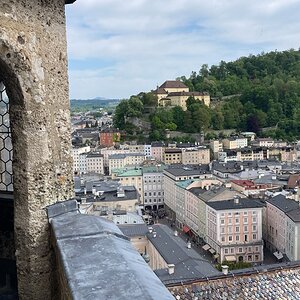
[[178, 117], [119, 118], [253, 124]]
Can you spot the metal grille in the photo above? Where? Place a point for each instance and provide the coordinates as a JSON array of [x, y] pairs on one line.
[[6, 151]]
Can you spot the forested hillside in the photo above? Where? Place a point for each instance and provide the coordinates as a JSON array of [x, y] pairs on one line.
[[250, 93]]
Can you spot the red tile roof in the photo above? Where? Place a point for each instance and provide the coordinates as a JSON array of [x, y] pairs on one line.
[[173, 84]]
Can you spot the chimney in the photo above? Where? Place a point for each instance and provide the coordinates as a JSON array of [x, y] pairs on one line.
[[189, 245], [171, 269], [176, 233], [154, 234], [224, 269], [236, 199], [85, 191], [150, 229], [120, 192], [94, 191], [297, 194]]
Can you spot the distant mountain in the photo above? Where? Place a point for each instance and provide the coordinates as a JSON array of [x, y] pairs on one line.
[[96, 98], [88, 104]]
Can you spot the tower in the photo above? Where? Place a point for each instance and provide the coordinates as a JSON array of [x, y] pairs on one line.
[[35, 117]]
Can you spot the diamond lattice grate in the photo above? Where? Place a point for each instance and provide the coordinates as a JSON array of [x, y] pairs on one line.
[[6, 151]]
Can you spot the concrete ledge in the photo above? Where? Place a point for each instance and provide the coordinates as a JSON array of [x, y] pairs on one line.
[[60, 208], [94, 260]]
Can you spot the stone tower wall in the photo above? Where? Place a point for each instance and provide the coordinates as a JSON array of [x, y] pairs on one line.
[[33, 66]]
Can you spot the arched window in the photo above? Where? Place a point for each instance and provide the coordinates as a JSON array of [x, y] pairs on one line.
[[6, 175]]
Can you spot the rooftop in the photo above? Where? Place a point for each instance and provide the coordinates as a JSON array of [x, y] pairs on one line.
[[173, 84], [294, 214], [128, 172], [122, 156], [134, 230], [283, 203], [281, 284], [185, 170], [188, 263], [213, 192], [230, 204], [130, 193]]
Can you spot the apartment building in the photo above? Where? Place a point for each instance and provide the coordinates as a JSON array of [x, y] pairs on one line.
[[288, 154], [283, 226], [106, 201], [82, 162], [234, 143], [293, 234], [157, 150], [212, 191], [147, 150], [244, 154], [76, 151], [216, 146], [109, 137], [153, 183], [133, 148], [117, 161], [124, 149], [132, 176], [172, 176], [172, 156], [264, 142], [195, 156], [148, 181], [234, 229], [94, 162]]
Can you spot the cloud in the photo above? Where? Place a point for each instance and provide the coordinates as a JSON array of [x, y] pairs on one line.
[[118, 48]]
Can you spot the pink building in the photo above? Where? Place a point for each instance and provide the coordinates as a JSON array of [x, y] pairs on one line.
[[280, 233], [157, 150], [234, 229]]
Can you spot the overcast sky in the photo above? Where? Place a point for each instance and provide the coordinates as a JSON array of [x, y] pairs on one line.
[[118, 48]]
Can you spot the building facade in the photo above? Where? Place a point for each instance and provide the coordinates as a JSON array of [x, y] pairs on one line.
[[234, 229]]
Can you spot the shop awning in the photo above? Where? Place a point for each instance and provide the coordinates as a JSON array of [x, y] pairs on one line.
[[212, 251], [278, 255], [230, 258], [185, 229], [206, 247]]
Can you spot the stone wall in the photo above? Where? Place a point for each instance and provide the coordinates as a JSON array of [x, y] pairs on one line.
[[33, 67]]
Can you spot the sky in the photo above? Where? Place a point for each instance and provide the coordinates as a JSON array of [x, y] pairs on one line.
[[118, 48]]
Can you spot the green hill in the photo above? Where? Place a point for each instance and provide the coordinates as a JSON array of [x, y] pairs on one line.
[[250, 93]]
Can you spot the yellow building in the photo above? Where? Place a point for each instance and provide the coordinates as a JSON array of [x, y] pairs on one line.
[[195, 156], [117, 161], [173, 156], [180, 98], [130, 176], [176, 93]]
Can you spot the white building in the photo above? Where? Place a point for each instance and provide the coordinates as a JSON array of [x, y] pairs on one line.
[[95, 163], [76, 151], [147, 150], [153, 182]]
